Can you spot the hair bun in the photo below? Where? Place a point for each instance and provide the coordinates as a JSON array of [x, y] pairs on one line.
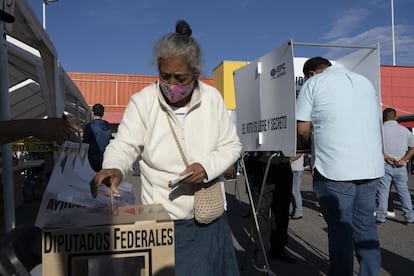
[[183, 28]]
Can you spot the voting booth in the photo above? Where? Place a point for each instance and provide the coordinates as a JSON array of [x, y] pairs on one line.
[[265, 102], [266, 90]]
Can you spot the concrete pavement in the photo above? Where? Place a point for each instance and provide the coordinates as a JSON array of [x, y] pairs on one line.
[[307, 236]]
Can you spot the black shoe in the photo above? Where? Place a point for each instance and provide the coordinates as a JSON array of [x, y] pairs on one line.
[[262, 268], [247, 215], [282, 255]]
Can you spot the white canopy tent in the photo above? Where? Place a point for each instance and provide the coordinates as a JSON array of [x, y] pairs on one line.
[[33, 84], [33, 59]]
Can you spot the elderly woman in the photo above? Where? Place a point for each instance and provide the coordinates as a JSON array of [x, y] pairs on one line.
[[176, 118]]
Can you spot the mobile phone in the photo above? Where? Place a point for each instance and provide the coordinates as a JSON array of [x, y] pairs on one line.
[[173, 183]]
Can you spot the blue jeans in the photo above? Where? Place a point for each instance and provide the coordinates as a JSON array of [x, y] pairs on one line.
[[399, 177], [297, 196], [348, 209]]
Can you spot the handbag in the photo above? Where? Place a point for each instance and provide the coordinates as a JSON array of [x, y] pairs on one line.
[[208, 203], [208, 200]]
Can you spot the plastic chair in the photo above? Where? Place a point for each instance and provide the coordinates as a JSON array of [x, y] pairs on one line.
[[20, 250]]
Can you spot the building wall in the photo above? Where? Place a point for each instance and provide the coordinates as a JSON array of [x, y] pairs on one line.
[[397, 88], [114, 90], [223, 80]]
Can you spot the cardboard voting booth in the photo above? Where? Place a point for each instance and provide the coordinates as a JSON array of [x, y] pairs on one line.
[[101, 236], [266, 91], [265, 102], [134, 240]]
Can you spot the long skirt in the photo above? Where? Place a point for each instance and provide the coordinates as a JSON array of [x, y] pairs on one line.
[[204, 250]]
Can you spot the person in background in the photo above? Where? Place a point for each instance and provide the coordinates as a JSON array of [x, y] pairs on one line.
[[398, 150], [97, 134], [178, 102], [390, 209], [340, 110], [273, 212], [296, 162], [55, 129]]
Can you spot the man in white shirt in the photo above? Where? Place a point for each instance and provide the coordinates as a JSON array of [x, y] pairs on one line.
[[398, 150], [341, 111]]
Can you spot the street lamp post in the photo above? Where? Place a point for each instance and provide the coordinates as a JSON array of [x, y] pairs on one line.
[[45, 2], [392, 32]]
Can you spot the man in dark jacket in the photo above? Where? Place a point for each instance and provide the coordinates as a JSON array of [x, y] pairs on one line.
[[97, 134]]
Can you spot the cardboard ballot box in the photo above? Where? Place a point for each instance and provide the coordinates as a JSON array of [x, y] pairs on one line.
[[134, 240]]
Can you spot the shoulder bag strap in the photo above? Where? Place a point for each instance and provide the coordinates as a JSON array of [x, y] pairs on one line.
[[176, 141]]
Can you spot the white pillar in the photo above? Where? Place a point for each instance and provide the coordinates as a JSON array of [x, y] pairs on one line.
[[6, 149]]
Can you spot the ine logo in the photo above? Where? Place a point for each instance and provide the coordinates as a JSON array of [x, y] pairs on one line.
[[278, 71]]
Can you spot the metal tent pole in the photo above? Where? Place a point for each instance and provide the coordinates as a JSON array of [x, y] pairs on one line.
[[254, 209]]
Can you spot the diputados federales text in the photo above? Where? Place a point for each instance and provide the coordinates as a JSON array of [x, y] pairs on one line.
[[117, 239]]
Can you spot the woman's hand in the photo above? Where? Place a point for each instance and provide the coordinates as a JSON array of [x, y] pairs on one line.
[[108, 177], [199, 174]]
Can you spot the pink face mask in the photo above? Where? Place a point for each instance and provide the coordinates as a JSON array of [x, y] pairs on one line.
[[176, 93]]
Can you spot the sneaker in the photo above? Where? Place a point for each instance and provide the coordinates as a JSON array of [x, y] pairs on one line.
[[295, 216], [390, 214], [409, 222], [380, 222], [262, 268]]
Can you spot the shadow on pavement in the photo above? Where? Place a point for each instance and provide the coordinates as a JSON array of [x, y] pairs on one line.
[[310, 260]]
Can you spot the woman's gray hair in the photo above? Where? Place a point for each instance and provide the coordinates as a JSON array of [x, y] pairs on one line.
[[181, 44]]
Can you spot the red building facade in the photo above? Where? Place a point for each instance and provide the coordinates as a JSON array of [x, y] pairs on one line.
[[397, 91], [114, 90]]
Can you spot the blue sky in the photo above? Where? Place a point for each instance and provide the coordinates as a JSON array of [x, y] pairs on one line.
[[117, 36]]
